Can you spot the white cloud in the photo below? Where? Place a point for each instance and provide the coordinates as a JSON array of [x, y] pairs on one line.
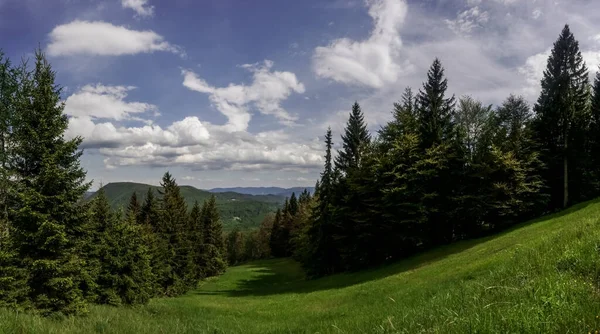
[[372, 62], [141, 7], [536, 13], [533, 69], [105, 102], [467, 20], [189, 131], [104, 39], [267, 91]]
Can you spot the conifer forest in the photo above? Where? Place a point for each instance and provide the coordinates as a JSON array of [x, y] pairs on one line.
[[443, 171]]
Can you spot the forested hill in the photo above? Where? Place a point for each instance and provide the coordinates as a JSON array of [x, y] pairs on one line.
[[237, 210], [264, 190]]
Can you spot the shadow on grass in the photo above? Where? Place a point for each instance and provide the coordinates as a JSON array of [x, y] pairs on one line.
[[281, 276]]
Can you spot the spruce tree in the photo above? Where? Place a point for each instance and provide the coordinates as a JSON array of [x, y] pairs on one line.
[[561, 117], [404, 118], [434, 110], [293, 205], [134, 208], [49, 181], [196, 240], [118, 256], [354, 138], [173, 230], [321, 257], [214, 260], [594, 136], [151, 230]]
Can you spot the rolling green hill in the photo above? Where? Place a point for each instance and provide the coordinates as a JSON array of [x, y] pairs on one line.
[[540, 277], [237, 210]]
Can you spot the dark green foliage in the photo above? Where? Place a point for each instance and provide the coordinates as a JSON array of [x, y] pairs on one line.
[[320, 256], [57, 251], [434, 110], [121, 270], [561, 119], [236, 210], [172, 232], [354, 138], [49, 182], [134, 208], [594, 136], [196, 240], [214, 261]]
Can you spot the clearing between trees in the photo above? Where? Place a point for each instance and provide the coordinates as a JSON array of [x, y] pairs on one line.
[[541, 276]]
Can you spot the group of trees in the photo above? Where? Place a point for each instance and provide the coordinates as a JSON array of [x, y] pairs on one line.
[[445, 169], [280, 234], [59, 252]]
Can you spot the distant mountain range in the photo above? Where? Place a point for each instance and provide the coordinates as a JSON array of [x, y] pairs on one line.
[[285, 192], [241, 210]]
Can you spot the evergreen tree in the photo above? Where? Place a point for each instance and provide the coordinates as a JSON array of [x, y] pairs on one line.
[[404, 118], [134, 208], [561, 117], [49, 181], [196, 239], [594, 136], [173, 231], [121, 263], [355, 136], [214, 248], [321, 258], [293, 205], [434, 110], [151, 230]]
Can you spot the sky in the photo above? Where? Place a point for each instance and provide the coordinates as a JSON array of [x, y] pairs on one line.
[[226, 93]]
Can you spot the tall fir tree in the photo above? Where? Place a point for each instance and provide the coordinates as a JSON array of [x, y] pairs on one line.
[[594, 136], [174, 223], [561, 117], [47, 219], [214, 251], [121, 263], [151, 230], [134, 208], [354, 138], [434, 110], [321, 257], [196, 237], [404, 119]]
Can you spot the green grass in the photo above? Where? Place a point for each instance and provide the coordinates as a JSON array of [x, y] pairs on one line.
[[237, 210], [540, 277]]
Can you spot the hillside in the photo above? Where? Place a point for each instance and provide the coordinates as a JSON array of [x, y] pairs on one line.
[[286, 192], [540, 277], [237, 210]]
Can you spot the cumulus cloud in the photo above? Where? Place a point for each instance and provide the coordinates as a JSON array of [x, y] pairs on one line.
[[105, 102], [104, 39], [468, 20], [101, 115], [266, 92], [224, 151], [141, 7], [371, 62]]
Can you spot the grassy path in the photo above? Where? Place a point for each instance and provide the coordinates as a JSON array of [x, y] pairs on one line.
[[543, 276]]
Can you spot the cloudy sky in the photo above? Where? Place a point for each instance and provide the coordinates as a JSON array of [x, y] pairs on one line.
[[240, 93]]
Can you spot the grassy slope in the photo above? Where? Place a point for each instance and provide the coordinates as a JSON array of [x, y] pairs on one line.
[[540, 277], [249, 210]]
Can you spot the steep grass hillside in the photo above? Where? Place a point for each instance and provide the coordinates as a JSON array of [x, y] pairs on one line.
[[237, 210], [540, 277]]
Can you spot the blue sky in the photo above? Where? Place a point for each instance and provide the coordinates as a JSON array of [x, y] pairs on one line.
[[240, 93]]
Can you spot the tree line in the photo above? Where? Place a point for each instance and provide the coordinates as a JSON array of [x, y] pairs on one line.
[[446, 169], [58, 253]]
